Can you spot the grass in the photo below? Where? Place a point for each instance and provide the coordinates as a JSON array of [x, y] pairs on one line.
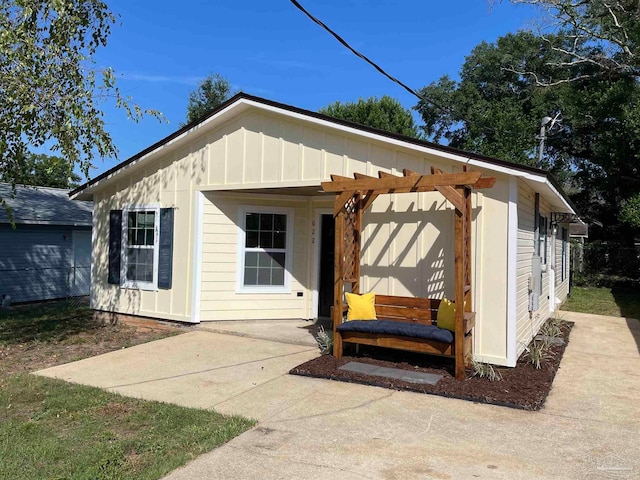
[[53, 429], [603, 301]]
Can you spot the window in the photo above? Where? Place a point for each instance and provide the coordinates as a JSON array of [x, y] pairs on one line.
[[541, 247], [140, 242], [265, 245]]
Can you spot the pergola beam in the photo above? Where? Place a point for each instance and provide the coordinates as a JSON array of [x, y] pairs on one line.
[[389, 183], [340, 202]]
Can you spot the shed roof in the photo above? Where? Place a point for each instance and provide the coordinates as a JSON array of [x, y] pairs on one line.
[[43, 206]]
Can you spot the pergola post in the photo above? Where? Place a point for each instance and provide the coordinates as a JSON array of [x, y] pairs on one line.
[[338, 286], [460, 268]]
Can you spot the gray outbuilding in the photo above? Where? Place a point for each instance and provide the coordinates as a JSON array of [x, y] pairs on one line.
[[46, 253]]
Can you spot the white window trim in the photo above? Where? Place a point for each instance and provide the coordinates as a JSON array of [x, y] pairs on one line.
[[240, 286], [124, 283]]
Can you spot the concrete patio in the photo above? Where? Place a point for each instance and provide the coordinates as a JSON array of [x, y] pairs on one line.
[[314, 428]]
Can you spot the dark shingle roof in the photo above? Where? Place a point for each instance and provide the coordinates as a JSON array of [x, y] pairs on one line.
[[44, 205]]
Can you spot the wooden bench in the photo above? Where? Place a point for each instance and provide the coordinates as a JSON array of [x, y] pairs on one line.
[[421, 311]]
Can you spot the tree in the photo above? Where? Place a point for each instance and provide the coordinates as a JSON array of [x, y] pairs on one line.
[[50, 90], [630, 211], [495, 110], [45, 171], [600, 33], [385, 113], [212, 92], [492, 110]]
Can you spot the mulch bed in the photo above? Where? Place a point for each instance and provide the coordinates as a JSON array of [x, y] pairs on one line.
[[523, 387]]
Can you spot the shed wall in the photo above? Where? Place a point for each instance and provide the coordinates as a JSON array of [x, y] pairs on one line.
[[37, 262]]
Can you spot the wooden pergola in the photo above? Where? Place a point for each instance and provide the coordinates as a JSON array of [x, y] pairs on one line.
[[355, 195]]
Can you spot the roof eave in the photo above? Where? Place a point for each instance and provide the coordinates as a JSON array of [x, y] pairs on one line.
[[240, 100]]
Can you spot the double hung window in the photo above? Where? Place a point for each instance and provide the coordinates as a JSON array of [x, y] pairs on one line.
[[140, 242], [265, 249]]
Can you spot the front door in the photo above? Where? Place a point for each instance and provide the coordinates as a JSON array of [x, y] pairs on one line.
[[327, 248]]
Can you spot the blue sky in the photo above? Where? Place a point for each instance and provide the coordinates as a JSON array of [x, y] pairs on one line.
[[160, 50]]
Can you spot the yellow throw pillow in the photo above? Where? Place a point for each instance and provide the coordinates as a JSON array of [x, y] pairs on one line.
[[447, 315], [361, 307]]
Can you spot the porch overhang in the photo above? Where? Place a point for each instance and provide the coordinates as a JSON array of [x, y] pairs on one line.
[[301, 189]]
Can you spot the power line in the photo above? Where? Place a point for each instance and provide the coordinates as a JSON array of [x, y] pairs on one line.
[[366, 59]]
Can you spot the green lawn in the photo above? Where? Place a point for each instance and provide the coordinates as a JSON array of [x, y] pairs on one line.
[[53, 429], [602, 301]]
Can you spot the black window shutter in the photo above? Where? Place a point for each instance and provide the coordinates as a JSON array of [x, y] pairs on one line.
[[165, 250], [115, 246]]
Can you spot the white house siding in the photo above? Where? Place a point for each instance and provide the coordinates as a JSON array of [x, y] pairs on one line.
[[528, 323], [258, 150], [562, 287], [219, 298]]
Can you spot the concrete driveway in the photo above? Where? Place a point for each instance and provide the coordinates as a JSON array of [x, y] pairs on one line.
[[589, 428]]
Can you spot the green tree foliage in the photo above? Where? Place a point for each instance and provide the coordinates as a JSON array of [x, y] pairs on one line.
[[493, 110], [212, 92], [45, 171], [50, 90], [385, 113], [496, 110], [630, 211]]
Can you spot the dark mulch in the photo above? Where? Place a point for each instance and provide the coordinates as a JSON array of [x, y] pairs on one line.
[[523, 386]]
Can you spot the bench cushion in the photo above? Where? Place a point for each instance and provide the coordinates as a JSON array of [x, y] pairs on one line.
[[403, 329]]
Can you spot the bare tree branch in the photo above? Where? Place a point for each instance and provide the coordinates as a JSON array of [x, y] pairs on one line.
[[600, 33]]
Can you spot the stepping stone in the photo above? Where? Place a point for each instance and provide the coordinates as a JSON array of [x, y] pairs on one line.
[[550, 340], [394, 373]]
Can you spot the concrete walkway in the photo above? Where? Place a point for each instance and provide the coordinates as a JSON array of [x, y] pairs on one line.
[[295, 332], [316, 429]]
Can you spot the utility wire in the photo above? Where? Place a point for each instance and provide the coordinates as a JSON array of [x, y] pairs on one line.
[[366, 59]]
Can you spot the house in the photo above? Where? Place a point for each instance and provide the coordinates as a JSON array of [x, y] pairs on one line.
[[46, 252], [226, 219]]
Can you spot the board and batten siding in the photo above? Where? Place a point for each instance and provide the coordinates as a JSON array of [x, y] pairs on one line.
[[169, 182], [407, 242], [37, 262]]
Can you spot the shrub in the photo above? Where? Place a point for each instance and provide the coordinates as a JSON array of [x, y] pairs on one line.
[[485, 370], [537, 352], [324, 340], [553, 327]]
